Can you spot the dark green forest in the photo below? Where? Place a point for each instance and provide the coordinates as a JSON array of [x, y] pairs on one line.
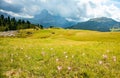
[[10, 23]]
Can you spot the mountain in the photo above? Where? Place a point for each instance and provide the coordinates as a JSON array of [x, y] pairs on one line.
[[98, 24], [46, 19]]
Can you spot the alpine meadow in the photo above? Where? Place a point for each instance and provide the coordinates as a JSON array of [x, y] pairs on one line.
[[59, 38], [60, 53]]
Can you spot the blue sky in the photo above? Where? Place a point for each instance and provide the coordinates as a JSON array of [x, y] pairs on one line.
[[72, 10]]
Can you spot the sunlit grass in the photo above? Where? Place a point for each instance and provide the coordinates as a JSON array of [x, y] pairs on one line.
[[59, 53]]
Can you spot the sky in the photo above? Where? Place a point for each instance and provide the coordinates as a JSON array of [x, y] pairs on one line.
[[72, 10]]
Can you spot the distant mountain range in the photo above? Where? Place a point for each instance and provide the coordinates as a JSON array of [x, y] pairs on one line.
[[97, 24], [46, 19]]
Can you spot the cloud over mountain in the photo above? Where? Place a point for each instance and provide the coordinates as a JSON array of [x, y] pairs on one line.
[[76, 10]]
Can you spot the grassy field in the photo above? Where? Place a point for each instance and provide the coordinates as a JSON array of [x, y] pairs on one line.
[[60, 53]]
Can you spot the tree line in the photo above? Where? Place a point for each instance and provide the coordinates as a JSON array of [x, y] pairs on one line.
[[8, 23]]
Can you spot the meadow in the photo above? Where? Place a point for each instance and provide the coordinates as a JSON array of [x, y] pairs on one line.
[[60, 53]]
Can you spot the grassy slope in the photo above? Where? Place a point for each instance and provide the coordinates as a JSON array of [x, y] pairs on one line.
[[59, 53]]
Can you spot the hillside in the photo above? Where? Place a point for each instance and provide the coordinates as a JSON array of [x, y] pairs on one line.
[[76, 35], [11, 23], [59, 39], [53, 53], [98, 24]]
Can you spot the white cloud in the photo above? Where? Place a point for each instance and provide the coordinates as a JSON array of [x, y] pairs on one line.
[[79, 10], [8, 1], [99, 8], [16, 14], [43, 0]]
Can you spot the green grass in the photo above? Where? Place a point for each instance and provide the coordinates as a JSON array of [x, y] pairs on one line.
[[59, 53]]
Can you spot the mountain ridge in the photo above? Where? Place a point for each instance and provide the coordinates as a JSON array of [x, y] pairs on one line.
[[97, 24], [47, 19]]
